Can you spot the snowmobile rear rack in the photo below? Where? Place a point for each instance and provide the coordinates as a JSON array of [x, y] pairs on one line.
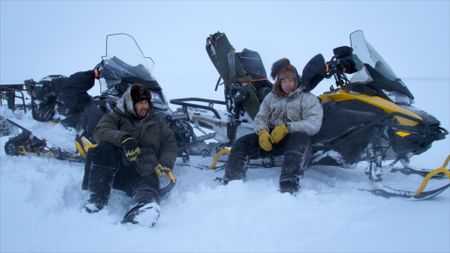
[[187, 103], [10, 92]]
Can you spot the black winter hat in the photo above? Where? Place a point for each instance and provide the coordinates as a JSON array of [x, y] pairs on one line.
[[140, 92]]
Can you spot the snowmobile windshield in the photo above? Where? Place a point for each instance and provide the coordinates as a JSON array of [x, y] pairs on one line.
[[376, 72], [125, 62]]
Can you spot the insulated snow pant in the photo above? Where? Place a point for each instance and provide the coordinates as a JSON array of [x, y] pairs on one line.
[[106, 171], [294, 147]]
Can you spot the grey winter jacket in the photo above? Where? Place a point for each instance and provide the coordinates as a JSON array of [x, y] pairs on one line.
[[300, 111], [155, 139]]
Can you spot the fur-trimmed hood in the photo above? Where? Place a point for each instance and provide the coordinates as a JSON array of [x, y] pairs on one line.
[[125, 106]]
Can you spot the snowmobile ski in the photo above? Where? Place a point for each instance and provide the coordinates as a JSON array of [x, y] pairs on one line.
[[419, 194], [420, 172], [26, 143], [388, 192]]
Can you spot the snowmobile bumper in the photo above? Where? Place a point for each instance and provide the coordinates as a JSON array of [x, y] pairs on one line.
[[427, 178], [83, 144], [217, 157]]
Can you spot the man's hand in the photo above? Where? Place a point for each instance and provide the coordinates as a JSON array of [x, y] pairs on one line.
[[265, 140], [278, 133], [130, 148], [162, 170]]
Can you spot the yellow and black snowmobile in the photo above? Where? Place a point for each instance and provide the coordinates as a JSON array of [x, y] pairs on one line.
[[369, 117]]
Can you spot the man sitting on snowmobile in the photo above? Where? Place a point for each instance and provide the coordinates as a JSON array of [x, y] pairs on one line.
[[286, 119], [133, 144]]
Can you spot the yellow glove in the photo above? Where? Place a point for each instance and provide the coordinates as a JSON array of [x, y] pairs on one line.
[[278, 133], [265, 140], [161, 171]]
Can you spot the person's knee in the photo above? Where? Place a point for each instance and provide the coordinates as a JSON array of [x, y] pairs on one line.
[[297, 142], [105, 154], [300, 136], [244, 144]]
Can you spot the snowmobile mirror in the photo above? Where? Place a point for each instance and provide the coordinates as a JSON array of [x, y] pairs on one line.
[[341, 52], [313, 72], [347, 61]]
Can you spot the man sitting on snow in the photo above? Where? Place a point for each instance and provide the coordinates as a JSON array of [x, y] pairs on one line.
[[132, 144], [286, 119]]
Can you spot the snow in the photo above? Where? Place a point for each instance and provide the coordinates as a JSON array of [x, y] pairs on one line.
[[41, 199], [41, 202]]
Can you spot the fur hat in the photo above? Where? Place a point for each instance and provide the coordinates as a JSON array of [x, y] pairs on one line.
[[140, 92], [282, 69]]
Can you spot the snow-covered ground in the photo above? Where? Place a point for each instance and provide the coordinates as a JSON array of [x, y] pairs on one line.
[[41, 199]]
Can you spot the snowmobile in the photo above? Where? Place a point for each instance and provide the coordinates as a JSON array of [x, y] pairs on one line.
[[120, 68], [123, 64], [369, 117]]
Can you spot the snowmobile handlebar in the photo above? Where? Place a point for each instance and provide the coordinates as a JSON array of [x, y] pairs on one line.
[[336, 68]]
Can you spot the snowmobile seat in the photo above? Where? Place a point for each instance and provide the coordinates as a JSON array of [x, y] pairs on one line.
[[243, 74]]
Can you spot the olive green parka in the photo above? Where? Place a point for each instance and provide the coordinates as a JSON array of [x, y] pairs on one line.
[[154, 137]]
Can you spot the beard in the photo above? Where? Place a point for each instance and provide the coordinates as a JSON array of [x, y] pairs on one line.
[[142, 112]]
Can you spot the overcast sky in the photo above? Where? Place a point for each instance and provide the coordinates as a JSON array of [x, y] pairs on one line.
[[38, 38]]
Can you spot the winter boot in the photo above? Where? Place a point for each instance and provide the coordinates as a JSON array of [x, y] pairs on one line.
[[146, 214], [290, 172], [235, 168], [144, 209], [99, 187]]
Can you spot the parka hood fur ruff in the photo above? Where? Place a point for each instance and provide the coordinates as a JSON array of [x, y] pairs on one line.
[[125, 105]]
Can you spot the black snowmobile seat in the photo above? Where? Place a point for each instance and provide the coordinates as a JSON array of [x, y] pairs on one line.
[[243, 73]]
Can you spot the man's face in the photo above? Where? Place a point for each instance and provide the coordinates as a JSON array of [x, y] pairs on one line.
[[141, 108]]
